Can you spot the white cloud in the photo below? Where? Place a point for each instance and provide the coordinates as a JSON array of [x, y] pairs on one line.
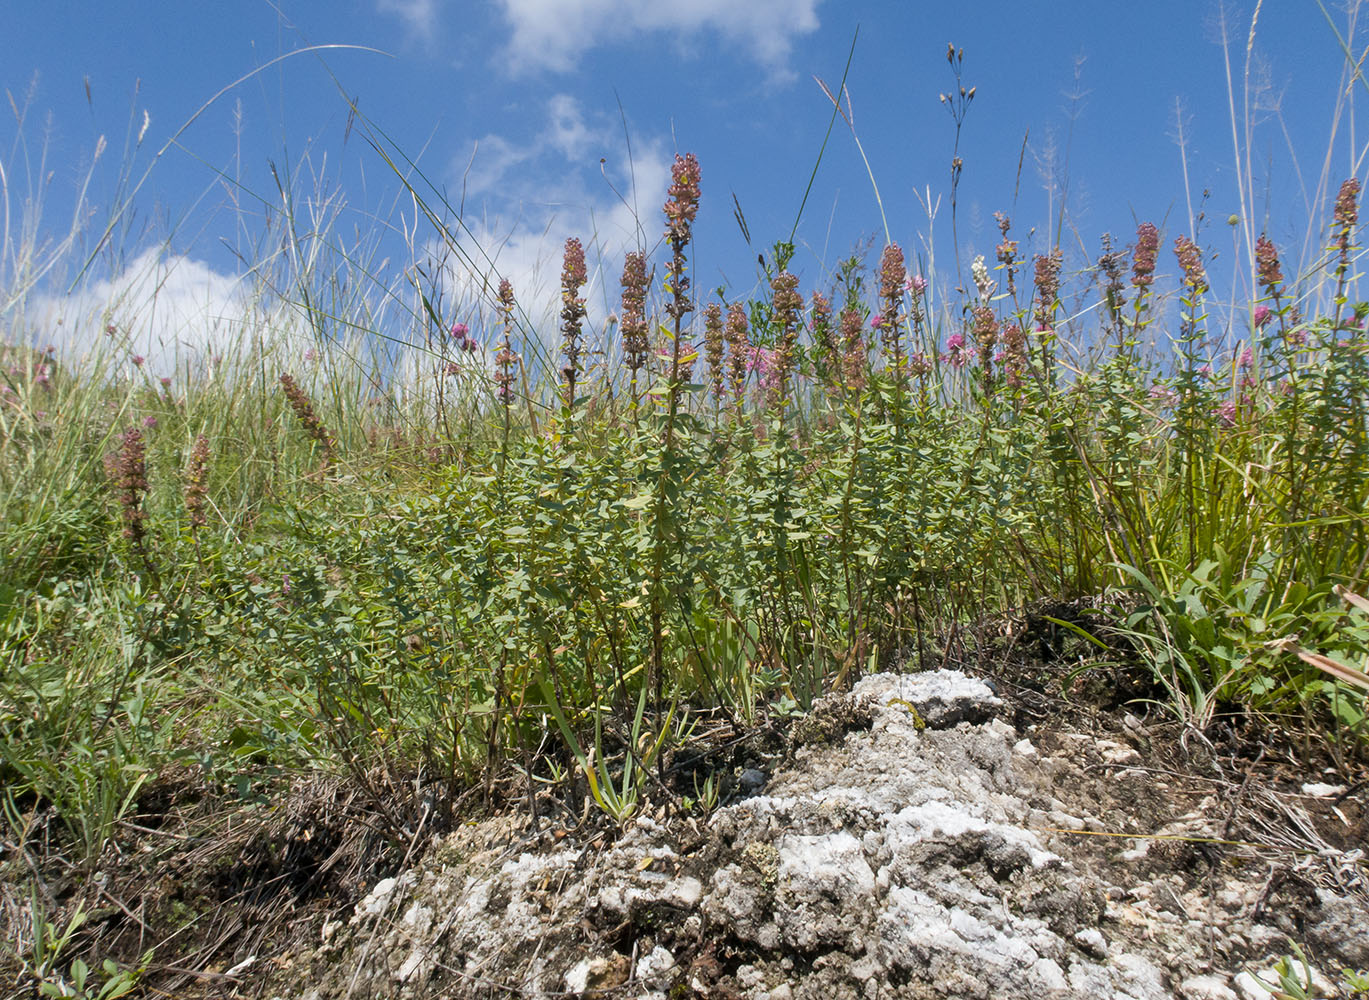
[[559, 190], [169, 310], [419, 16], [554, 34]]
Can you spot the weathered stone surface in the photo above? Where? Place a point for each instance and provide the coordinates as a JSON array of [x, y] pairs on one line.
[[921, 848]]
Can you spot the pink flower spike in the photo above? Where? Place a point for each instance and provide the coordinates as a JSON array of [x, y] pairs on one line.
[[1262, 315]]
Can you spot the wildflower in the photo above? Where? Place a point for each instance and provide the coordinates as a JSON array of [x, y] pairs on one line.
[[713, 347], [785, 313], [683, 205], [1267, 264], [853, 350], [820, 318], [311, 355], [1191, 260], [1007, 251], [304, 410], [1047, 286], [127, 468], [917, 284], [1014, 355], [1145, 255], [138, 360], [1246, 359], [956, 355], [1262, 315], [980, 272], [452, 368], [572, 313], [633, 321], [1226, 413], [504, 359], [149, 421], [738, 347], [196, 482], [166, 382], [1347, 208], [892, 273], [984, 327], [1110, 263], [876, 321]]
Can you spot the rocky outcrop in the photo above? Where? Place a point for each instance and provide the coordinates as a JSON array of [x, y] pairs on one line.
[[916, 846]]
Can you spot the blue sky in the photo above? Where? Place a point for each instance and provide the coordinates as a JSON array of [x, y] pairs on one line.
[[522, 113]]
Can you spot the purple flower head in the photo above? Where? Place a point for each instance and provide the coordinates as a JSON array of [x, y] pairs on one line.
[[1145, 254], [138, 360], [1226, 413], [1267, 261], [1262, 315], [166, 382], [917, 283], [149, 422], [1246, 358], [876, 321]]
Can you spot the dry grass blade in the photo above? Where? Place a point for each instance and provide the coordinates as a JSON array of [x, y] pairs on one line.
[[1350, 597], [1340, 671]]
